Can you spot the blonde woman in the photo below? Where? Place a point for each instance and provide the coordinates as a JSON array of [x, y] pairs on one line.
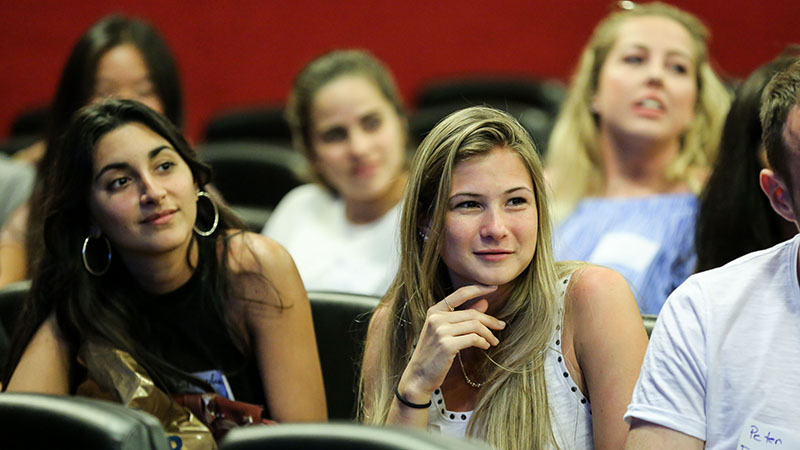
[[481, 333], [632, 147]]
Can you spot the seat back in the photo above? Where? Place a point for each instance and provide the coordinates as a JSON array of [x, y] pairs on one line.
[[649, 322], [253, 177], [48, 421], [340, 325], [253, 174], [255, 124], [534, 103], [341, 436], [536, 121], [500, 90], [12, 298]]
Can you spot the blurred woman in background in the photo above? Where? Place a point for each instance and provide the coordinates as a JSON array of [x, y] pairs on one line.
[[633, 145], [348, 120]]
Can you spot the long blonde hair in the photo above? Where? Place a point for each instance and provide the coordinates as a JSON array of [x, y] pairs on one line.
[[514, 397], [575, 162]]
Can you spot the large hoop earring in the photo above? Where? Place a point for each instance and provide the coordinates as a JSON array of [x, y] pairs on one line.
[[216, 215], [86, 265]]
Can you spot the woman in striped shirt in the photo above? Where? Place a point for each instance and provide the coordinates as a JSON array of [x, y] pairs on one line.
[[632, 146]]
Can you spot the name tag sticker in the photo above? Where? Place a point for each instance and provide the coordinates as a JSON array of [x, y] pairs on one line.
[[625, 249], [218, 381], [757, 435]]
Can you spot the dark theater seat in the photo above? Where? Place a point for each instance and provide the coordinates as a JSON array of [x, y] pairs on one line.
[[340, 325], [340, 436], [38, 421], [253, 177], [649, 322], [11, 300]]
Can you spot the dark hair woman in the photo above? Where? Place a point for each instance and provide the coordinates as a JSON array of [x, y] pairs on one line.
[[117, 57], [139, 257], [735, 217]]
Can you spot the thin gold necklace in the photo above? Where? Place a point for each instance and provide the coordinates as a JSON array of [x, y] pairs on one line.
[[469, 382]]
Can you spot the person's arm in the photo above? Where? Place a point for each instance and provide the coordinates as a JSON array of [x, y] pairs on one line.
[[32, 154], [609, 341], [649, 436], [44, 366], [282, 221], [277, 316], [13, 254], [669, 401]]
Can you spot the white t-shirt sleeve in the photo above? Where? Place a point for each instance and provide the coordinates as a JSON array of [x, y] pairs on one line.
[[671, 389], [280, 223]]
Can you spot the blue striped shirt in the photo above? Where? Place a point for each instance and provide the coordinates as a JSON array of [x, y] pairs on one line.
[[649, 240]]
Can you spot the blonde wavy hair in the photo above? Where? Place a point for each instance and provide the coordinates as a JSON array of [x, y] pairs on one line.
[[515, 396], [574, 161]]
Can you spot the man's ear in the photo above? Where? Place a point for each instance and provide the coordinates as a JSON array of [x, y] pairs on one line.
[[778, 194]]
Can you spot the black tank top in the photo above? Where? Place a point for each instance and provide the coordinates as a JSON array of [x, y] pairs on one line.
[[183, 328]]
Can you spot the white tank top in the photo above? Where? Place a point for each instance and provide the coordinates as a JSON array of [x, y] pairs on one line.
[[571, 411]]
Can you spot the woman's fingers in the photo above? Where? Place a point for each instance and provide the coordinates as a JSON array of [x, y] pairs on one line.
[[471, 327], [469, 340], [464, 294], [471, 314], [446, 331]]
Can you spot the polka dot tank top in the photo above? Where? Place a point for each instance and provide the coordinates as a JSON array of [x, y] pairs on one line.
[[571, 411]]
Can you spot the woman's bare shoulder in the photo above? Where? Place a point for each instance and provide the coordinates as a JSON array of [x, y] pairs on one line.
[[250, 252], [45, 364], [600, 308], [591, 284]]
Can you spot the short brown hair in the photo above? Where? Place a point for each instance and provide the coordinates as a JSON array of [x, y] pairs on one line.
[[779, 97], [320, 72]]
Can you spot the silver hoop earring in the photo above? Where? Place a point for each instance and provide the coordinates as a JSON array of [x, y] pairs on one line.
[[216, 215], [88, 268]]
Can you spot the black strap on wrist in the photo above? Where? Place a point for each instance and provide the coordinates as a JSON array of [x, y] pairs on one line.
[[408, 403]]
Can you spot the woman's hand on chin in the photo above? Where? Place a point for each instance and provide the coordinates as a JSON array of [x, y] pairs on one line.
[[446, 331]]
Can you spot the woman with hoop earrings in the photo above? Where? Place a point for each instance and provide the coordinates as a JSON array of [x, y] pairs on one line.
[[139, 258], [482, 334]]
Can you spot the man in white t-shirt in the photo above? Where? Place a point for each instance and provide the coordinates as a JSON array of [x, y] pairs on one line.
[[722, 370]]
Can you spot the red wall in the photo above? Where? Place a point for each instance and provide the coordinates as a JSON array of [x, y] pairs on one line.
[[246, 52]]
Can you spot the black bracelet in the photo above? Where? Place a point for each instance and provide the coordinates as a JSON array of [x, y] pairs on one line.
[[408, 403]]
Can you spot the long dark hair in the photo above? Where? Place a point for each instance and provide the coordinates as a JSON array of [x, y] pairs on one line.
[[735, 217], [78, 77], [104, 308], [76, 87]]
